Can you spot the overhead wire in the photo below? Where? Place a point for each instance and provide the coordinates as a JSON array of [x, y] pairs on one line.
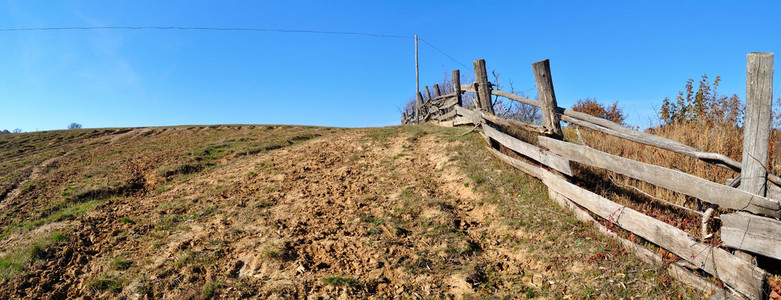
[[443, 53], [232, 29], [205, 28]]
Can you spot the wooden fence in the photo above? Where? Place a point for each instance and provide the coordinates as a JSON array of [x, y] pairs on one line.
[[749, 213]]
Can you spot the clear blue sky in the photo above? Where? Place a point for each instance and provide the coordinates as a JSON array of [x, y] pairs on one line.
[[633, 52]]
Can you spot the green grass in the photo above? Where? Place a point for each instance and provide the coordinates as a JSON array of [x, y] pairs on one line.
[[121, 263], [108, 282], [210, 289], [16, 260], [59, 212]]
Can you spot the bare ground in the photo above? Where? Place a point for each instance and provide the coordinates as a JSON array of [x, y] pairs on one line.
[[296, 212]]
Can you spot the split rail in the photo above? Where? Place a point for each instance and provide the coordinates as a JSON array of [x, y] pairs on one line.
[[750, 208]]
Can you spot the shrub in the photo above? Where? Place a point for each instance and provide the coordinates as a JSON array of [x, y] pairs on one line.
[[592, 107], [74, 126], [704, 105]]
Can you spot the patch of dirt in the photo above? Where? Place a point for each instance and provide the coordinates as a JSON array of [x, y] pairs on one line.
[[349, 214]]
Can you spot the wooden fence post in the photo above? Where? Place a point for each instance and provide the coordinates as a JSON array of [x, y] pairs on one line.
[[549, 107], [756, 133], [483, 86], [436, 90], [428, 94], [455, 79]]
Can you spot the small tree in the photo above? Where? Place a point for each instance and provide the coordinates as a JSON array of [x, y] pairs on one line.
[[702, 106], [592, 107], [74, 125], [17, 130]]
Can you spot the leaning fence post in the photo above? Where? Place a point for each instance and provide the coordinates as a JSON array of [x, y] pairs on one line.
[[756, 128], [549, 107], [436, 90], [483, 86], [756, 133], [455, 79], [428, 94]]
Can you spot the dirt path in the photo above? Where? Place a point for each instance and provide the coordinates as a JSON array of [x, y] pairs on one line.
[[371, 213]]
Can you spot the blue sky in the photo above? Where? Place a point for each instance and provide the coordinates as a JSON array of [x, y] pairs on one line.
[[633, 52]]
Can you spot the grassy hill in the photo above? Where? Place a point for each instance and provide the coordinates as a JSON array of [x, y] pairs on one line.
[[235, 211]]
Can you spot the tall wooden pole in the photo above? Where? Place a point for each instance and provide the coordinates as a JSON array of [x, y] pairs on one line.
[[756, 132], [548, 105], [417, 82]]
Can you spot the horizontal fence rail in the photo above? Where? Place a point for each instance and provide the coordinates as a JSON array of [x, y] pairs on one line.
[[754, 227]]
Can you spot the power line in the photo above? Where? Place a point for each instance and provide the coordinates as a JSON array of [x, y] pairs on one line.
[[443, 53], [230, 29], [204, 28]]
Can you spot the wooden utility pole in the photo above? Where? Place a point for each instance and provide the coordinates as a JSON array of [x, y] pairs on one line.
[[417, 83], [548, 106], [455, 79], [483, 86], [756, 132]]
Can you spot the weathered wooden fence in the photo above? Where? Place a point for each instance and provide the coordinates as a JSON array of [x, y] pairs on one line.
[[749, 213]]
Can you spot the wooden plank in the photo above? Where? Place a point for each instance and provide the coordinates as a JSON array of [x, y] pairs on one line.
[[455, 79], [472, 115], [617, 130], [447, 116], [483, 86], [468, 88], [464, 112], [740, 275], [758, 118], [677, 181], [548, 105], [536, 153], [520, 165], [675, 270], [446, 104], [515, 124], [462, 121], [442, 98], [752, 233]]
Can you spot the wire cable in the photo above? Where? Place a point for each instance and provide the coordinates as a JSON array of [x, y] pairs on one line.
[[205, 28], [443, 53], [230, 29]]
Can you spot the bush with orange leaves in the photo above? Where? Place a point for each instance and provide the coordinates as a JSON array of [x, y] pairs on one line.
[[592, 107]]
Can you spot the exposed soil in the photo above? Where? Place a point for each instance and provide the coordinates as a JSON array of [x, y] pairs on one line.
[[297, 212]]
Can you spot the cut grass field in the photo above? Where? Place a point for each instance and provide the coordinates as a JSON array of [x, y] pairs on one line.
[[290, 211]]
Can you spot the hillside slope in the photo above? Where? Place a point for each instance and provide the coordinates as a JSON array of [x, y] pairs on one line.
[[292, 212]]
